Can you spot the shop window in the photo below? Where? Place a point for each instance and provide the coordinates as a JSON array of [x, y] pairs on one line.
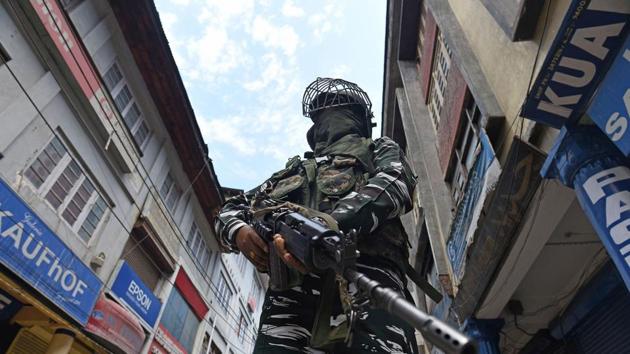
[[224, 292], [466, 146], [126, 105], [198, 247], [68, 190], [439, 74], [170, 193], [179, 319]]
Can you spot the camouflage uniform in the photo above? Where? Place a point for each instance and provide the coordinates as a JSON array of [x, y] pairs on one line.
[[365, 185]]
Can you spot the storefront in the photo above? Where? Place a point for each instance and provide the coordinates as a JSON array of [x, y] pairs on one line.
[[583, 89], [179, 324], [46, 292]]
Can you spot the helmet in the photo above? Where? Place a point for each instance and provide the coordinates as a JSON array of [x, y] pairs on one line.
[[326, 92]]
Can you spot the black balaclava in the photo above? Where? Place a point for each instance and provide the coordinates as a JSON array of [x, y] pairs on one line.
[[332, 124]]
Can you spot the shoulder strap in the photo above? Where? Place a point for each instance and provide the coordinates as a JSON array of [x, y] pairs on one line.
[[423, 284]]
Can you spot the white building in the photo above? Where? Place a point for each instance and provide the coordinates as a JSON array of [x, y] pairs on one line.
[[107, 193]]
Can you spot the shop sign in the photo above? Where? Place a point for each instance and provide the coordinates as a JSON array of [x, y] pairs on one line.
[[9, 306], [130, 290], [116, 326], [587, 42], [31, 250], [610, 108], [165, 343], [605, 196]]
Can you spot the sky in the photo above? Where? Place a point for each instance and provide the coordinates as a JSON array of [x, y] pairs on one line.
[[245, 64]]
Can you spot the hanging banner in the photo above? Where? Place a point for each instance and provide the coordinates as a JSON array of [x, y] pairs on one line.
[[115, 327], [129, 289], [587, 42], [31, 250], [610, 108], [584, 159]]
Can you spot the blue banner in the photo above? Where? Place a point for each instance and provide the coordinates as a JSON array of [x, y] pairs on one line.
[[583, 158], [610, 109], [604, 193], [31, 250], [129, 289], [458, 241], [587, 42]]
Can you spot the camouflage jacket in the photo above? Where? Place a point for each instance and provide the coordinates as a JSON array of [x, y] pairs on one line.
[[366, 191]]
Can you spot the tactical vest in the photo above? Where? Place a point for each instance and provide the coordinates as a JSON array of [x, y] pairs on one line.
[[319, 183]]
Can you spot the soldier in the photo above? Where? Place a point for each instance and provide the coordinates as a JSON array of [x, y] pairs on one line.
[[364, 185]]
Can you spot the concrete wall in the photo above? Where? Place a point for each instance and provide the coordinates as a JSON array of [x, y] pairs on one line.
[[506, 65]]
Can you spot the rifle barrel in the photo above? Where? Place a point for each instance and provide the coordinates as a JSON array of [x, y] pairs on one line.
[[434, 330]]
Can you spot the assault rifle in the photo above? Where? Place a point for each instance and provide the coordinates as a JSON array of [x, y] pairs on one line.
[[321, 248]]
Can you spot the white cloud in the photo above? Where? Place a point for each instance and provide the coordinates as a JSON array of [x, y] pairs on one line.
[[289, 9], [212, 54], [180, 2], [324, 20], [168, 20], [228, 131], [269, 35], [340, 71]]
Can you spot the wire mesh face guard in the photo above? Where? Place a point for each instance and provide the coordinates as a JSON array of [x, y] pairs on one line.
[[326, 92]]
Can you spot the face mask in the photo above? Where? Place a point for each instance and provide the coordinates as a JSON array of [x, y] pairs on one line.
[[331, 125]]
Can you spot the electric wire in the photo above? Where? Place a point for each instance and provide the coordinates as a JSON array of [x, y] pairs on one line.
[[167, 214], [211, 284], [165, 276], [505, 137]]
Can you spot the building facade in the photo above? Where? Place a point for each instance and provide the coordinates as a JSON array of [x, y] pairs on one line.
[[107, 192], [500, 107]]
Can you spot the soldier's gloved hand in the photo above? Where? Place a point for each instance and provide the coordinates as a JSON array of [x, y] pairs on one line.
[[287, 257], [253, 247]]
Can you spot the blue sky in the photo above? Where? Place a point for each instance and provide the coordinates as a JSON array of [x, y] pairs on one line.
[[245, 64]]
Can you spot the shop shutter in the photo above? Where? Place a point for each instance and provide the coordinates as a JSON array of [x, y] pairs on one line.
[[605, 330], [139, 260], [26, 342]]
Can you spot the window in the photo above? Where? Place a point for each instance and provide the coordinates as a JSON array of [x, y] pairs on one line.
[[125, 102], [242, 325], [466, 146], [242, 262], [170, 193], [224, 292], [70, 4], [67, 189], [441, 66], [198, 247], [421, 32], [4, 56], [180, 321], [205, 345]]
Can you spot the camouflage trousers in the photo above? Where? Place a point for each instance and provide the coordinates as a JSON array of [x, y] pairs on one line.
[[287, 319]]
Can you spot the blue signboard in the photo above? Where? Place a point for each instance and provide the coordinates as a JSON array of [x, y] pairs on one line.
[[130, 290], [587, 42], [610, 108], [583, 158], [31, 250]]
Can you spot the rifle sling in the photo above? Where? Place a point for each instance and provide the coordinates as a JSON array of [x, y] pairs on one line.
[[423, 284]]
